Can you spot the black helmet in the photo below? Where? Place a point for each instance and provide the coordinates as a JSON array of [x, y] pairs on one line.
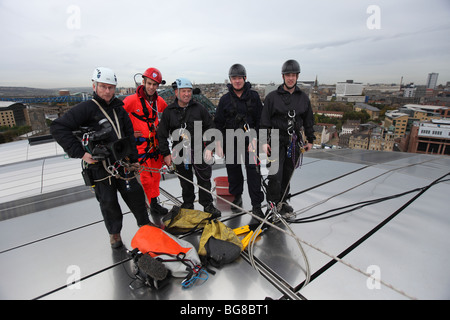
[[237, 70], [290, 66]]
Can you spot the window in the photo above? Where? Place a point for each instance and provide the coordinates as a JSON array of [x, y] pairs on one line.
[[422, 147]]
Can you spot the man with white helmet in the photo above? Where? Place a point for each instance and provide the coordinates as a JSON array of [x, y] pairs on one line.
[[178, 119], [143, 108], [107, 123]]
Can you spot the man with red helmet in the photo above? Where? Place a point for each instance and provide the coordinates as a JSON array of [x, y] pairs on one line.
[[143, 108]]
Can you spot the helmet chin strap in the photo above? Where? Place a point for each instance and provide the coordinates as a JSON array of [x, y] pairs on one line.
[[289, 88], [243, 87], [238, 90], [96, 89]]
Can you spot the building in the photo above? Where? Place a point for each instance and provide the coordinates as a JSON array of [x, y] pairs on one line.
[[13, 114], [380, 142], [409, 91], [373, 112], [367, 136], [17, 114], [400, 121], [331, 114], [324, 132], [396, 122], [349, 88], [430, 137], [359, 141], [7, 118], [350, 91], [350, 126], [37, 119], [373, 139], [425, 112], [432, 80]]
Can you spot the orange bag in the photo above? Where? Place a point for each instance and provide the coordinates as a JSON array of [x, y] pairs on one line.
[[179, 256]]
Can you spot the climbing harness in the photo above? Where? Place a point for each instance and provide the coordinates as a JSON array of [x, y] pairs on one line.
[[186, 145], [152, 149], [291, 132]]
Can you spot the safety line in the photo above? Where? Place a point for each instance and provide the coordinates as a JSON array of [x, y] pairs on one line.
[[294, 236], [326, 182], [368, 235], [354, 187], [53, 236], [83, 278], [336, 259], [273, 278]]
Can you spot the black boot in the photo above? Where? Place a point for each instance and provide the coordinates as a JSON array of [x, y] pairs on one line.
[[257, 211], [186, 205], [286, 209], [237, 201], [210, 208], [115, 240], [156, 208]]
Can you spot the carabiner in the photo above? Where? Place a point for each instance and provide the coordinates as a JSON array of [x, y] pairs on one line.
[[85, 140], [113, 170], [182, 129], [290, 131], [185, 141]]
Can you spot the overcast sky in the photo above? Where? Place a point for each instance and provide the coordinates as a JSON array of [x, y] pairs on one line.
[[58, 43]]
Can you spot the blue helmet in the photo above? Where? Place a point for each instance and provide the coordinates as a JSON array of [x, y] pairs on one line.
[[183, 83]]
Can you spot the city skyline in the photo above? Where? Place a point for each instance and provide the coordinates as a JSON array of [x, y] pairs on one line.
[[55, 44]]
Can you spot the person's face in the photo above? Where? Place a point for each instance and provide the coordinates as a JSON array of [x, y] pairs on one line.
[[290, 79], [150, 86], [105, 91], [237, 83], [184, 95]]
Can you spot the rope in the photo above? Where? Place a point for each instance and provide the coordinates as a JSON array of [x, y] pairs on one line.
[[354, 187], [300, 240], [290, 231]]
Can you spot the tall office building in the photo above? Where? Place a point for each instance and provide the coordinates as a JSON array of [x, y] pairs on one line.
[[349, 88], [432, 80]]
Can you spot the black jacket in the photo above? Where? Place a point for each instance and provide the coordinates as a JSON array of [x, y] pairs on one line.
[[174, 115], [233, 111], [275, 112], [88, 114]]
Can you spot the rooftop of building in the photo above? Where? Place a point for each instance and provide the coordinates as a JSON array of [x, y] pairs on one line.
[[358, 214]]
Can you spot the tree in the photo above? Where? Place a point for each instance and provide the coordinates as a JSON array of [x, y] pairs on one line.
[[353, 115]]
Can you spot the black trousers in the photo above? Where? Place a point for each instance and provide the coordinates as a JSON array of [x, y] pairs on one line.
[[279, 183], [106, 194], [236, 178], [203, 173]]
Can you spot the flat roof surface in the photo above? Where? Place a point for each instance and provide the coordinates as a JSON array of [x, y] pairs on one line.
[[51, 230]]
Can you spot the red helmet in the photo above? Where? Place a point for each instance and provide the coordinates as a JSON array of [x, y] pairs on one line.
[[154, 74]]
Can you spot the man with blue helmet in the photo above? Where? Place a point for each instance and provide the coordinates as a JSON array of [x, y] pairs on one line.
[[178, 121]]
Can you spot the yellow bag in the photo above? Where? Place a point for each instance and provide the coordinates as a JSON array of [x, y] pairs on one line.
[[181, 220], [219, 244]]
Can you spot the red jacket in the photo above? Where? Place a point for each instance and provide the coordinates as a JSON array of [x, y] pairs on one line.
[[144, 120]]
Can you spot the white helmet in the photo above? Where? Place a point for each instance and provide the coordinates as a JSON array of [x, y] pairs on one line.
[[104, 75]]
